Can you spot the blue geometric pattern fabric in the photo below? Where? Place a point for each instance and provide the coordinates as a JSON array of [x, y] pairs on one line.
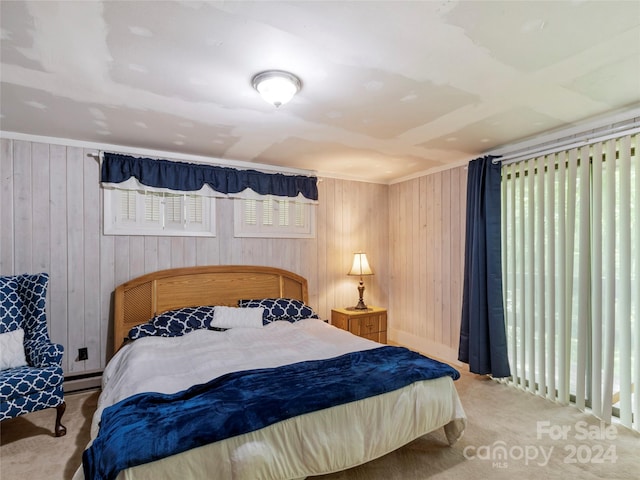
[[280, 309], [43, 387], [143, 330], [25, 381], [41, 354], [39, 384], [33, 292], [10, 305], [175, 323]]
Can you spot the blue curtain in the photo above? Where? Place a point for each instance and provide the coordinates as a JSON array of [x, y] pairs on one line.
[[191, 177], [483, 343]]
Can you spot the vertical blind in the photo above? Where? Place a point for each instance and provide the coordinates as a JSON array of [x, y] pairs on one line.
[[571, 276]]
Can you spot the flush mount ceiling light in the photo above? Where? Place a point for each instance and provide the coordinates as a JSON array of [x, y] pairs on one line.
[[276, 87]]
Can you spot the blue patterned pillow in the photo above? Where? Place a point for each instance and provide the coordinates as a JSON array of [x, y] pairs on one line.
[[144, 330], [280, 309], [174, 323]]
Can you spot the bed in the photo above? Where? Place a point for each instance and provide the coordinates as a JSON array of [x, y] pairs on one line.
[[267, 391]]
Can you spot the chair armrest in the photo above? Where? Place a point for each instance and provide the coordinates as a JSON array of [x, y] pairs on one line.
[[43, 354]]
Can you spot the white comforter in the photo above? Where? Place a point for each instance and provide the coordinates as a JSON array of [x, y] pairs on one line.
[[294, 448]]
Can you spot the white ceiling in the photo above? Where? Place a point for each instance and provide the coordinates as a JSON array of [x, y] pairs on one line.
[[390, 88]]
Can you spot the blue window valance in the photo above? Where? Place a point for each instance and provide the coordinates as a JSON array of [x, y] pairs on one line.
[[190, 177]]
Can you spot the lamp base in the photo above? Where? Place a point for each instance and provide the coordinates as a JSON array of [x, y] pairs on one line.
[[360, 305], [359, 309]]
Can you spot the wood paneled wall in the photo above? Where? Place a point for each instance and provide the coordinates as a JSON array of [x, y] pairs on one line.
[[51, 220], [426, 245]]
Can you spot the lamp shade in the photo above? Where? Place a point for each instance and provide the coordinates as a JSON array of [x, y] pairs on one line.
[[360, 265], [276, 87]]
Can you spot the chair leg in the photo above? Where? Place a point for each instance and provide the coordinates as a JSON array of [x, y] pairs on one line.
[[61, 430]]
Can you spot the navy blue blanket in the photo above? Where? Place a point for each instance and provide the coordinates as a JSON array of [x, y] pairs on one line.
[[242, 402]]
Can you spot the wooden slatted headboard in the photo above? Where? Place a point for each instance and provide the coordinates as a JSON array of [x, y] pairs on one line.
[[138, 300]]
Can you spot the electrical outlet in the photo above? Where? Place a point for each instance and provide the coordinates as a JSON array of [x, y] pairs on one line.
[[83, 353]]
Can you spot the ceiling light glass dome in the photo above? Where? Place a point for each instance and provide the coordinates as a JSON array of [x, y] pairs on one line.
[[276, 86]]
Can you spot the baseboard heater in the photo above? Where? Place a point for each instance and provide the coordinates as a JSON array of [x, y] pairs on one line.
[[85, 381]]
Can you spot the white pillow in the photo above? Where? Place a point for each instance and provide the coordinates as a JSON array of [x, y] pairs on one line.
[[234, 317], [12, 349]]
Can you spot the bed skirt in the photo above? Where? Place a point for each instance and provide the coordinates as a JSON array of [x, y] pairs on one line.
[[344, 436]]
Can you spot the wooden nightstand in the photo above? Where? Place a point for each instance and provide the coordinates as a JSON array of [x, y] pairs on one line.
[[370, 323]]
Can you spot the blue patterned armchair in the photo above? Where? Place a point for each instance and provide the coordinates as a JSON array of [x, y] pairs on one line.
[[31, 374]]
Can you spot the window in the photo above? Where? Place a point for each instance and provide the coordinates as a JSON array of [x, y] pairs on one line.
[[274, 217], [132, 212]]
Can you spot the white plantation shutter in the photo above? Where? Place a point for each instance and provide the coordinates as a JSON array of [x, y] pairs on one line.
[[173, 209], [267, 212], [152, 207], [194, 209], [131, 212], [250, 216], [299, 215], [283, 213], [128, 206], [274, 217]]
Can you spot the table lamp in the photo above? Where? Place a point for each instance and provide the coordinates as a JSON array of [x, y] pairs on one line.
[[360, 268]]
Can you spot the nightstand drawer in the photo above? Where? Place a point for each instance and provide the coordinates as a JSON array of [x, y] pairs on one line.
[[365, 325]]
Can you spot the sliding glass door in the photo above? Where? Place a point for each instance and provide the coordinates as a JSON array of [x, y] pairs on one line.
[[571, 276]]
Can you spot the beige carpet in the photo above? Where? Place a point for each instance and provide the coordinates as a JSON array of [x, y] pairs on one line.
[[496, 413]]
